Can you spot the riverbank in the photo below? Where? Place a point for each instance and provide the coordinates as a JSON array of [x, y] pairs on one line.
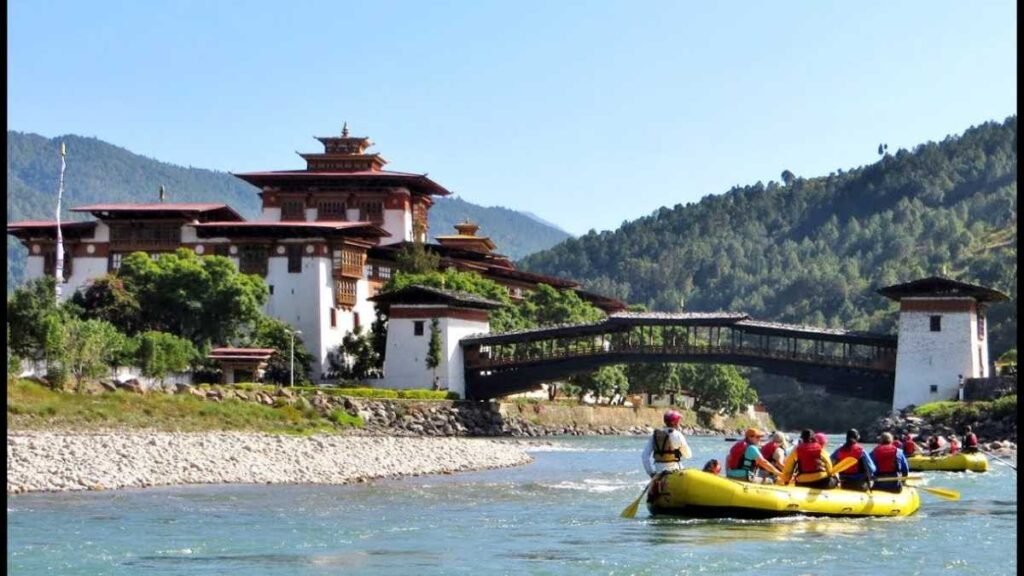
[[102, 460]]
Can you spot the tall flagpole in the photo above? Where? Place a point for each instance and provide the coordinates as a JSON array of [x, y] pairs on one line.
[[59, 272]]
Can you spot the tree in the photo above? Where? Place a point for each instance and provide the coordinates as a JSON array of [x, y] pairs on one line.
[[97, 347], [160, 354], [414, 258], [203, 299], [13, 361], [27, 311], [716, 387], [788, 177], [272, 333], [653, 378], [356, 358], [605, 382], [434, 349], [107, 298]]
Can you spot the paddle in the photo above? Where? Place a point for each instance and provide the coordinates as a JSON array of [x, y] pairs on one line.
[[997, 459], [945, 493], [630, 511], [842, 466]]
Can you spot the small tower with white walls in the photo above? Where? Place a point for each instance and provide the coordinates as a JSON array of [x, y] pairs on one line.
[[942, 338], [410, 312]]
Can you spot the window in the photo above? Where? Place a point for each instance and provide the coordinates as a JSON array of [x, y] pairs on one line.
[[981, 326], [50, 263], [253, 260], [334, 317], [933, 388], [293, 210], [114, 261], [417, 328], [355, 321], [371, 211], [936, 323], [143, 235], [294, 258], [222, 250], [344, 292], [271, 287], [331, 210]]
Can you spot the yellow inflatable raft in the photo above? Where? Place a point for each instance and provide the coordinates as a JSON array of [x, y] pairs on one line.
[[698, 494], [959, 462]]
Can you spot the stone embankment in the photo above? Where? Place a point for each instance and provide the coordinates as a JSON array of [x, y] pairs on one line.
[[57, 461]]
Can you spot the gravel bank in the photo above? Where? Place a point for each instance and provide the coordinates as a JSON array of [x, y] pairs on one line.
[[58, 461]]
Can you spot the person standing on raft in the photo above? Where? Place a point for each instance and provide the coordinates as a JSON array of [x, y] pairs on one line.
[[667, 447], [745, 458], [857, 477], [810, 462], [890, 461]]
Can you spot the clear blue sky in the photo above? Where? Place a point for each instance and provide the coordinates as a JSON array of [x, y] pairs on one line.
[[585, 113]]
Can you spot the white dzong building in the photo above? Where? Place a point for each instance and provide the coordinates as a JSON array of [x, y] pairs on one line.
[[325, 241]]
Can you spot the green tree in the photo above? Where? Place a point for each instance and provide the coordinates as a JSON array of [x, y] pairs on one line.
[[13, 361], [414, 258], [356, 358], [160, 354], [106, 298], [272, 333], [203, 299], [28, 309], [716, 387], [434, 349], [653, 378], [605, 382], [97, 347]]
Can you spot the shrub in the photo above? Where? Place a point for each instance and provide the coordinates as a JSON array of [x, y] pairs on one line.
[[1005, 406], [343, 418], [427, 395]]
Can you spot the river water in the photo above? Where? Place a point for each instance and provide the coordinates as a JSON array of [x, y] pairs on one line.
[[558, 515]]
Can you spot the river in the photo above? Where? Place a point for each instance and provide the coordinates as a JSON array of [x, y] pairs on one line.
[[558, 515]]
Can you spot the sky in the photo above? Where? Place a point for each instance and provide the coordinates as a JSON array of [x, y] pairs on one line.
[[587, 114]]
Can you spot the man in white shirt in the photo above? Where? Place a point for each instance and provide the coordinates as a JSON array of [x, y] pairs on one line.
[[667, 447]]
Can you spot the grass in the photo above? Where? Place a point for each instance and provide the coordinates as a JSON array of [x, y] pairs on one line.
[[372, 393], [30, 405], [956, 414]]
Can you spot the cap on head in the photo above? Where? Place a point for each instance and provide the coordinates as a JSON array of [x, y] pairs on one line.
[[820, 438], [852, 434], [753, 433], [672, 417]]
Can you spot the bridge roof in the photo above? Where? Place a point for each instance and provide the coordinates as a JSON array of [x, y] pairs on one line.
[[529, 334], [937, 287], [677, 318], [802, 331]]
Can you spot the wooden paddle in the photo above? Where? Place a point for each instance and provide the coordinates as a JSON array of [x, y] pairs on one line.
[[945, 493], [630, 511]]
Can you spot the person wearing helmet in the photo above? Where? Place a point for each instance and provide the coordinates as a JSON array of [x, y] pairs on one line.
[[745, 459], [667, 447], [776, 449], [859, 476], [810, 462]]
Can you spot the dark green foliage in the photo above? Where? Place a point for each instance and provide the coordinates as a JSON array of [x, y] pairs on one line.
[[356, 358], [272, 333], [433, 359], [107, 299], [98, 172], [160, 354], [415, 259], [814, 251], [716, 387], [28, 309]]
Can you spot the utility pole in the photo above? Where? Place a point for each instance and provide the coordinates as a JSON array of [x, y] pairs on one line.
[[292, 367]]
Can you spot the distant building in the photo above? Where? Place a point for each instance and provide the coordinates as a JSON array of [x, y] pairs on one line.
[[325, 241]]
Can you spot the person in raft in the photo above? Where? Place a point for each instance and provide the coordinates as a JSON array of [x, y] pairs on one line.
[[909, 446], [890, 462], [857, 477], [712, 466], [776, 449], [970, 441], [745, 458], [810, 462], [666, 448], [954, 444], [936, 445]]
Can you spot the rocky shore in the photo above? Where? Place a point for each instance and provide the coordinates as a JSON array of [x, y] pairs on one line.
[[59, 461]]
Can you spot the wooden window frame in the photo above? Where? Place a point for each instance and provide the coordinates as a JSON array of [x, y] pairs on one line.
[[294, 252]]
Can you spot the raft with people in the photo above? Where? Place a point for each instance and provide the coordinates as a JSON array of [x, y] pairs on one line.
[[959, 462], [698, 494]]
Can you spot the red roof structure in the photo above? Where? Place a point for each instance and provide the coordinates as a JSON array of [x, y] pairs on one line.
[[290, 229], [187, 210]]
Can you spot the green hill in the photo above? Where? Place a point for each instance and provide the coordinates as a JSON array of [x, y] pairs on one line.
[[101, 172], [814, 250]]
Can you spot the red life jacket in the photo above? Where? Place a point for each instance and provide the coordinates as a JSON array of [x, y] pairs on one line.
[[851, 451], [897, 443], [971, 441], [735, 460], [909, 447], [808, 457], [954, 447], [884, 456], [768, 451]]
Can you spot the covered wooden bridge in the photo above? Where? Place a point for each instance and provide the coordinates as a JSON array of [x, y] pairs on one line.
[[848, 363]]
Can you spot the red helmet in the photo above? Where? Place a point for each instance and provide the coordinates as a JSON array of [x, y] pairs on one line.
[[672, 417], [821, 438]]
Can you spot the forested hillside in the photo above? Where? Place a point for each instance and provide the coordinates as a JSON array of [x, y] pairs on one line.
[[101, 172], [814, 250]]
